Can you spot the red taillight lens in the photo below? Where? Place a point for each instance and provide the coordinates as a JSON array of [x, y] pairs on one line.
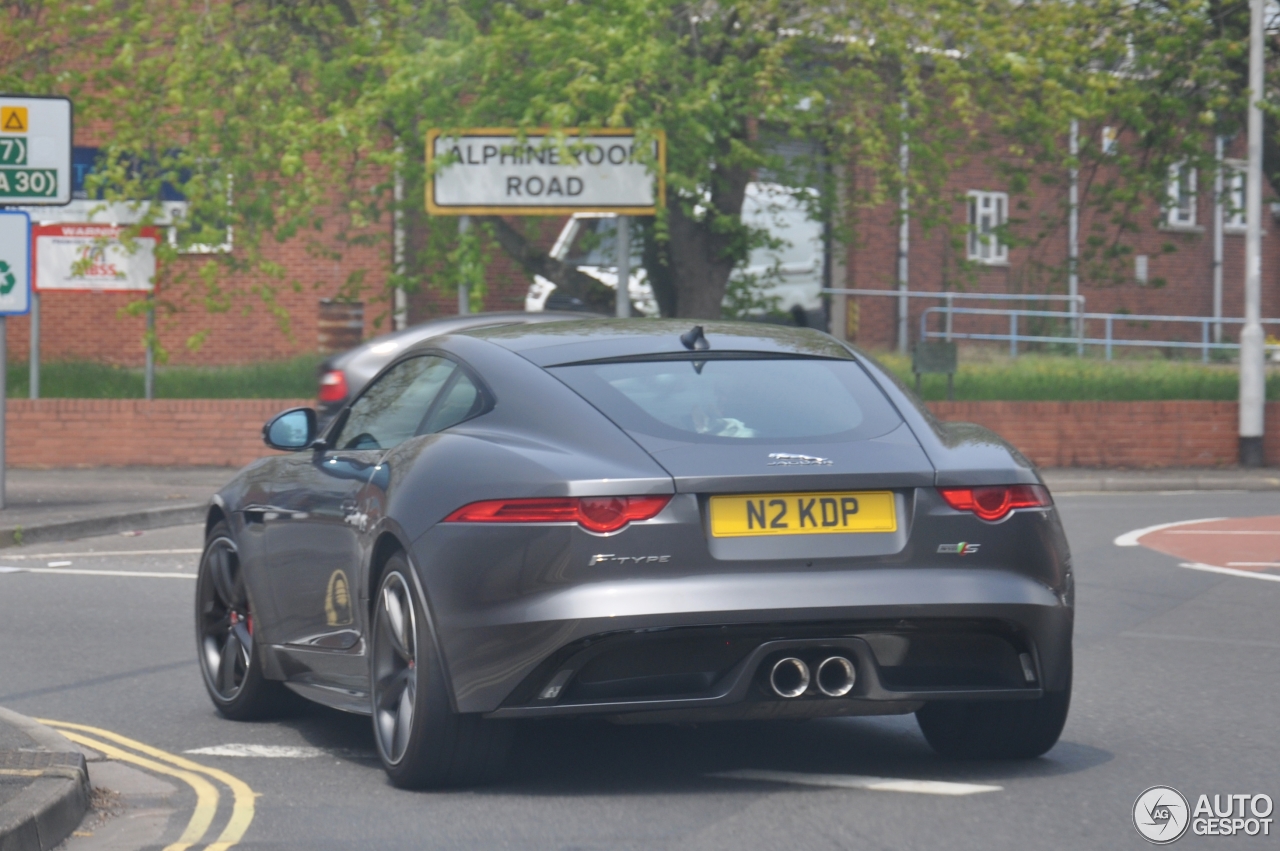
[[596, 513], [333, 386], [993, 503]]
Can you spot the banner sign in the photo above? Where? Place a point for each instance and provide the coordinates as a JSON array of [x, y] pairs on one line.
[[15, 263], [92, 258], [35, 150], [490, 171]]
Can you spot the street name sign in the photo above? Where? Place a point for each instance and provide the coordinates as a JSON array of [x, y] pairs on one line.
[[35, 151], [15, 263], [494, 171]]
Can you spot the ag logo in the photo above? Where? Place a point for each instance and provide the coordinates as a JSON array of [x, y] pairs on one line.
[[1160, 814], [337, 600], [7, 280]]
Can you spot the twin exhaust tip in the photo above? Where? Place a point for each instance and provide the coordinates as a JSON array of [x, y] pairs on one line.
[[834, 677]]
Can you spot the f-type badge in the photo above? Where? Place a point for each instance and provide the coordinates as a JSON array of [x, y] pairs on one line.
[[962, 548], [786, 459]]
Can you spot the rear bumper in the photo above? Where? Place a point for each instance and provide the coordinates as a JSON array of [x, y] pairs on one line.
[[494, 653]]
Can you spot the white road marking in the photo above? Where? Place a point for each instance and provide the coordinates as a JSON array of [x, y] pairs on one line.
[[268, 751], [58, 564], [280, 751], [102, 554], [70, 571], [1130, 539], [859, 781], [1239, 642], [1253, 564], [1225, 532], [1230, 571]]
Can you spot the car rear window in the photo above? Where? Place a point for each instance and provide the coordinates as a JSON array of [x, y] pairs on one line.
[[736, 399]]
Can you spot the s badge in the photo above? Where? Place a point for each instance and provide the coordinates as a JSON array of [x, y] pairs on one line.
[[962, 548]]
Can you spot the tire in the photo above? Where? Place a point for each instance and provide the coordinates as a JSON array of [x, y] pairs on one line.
[[996, 729], [421, 741], [230, 659]]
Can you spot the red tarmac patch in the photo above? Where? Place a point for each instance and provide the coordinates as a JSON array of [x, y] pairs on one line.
[[1241, 543]]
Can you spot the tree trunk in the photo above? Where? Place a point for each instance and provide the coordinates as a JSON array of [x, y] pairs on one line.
[[690, 272]]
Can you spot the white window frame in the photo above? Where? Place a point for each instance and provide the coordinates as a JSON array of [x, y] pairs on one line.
[[1180, 206], [1109, 140], [1233, 174], [987, 211], [225, 247]]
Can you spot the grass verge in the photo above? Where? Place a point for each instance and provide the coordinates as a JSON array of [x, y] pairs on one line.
[[1057, 378], [288, 379]]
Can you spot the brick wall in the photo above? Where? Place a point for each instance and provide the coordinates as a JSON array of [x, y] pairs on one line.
[[228, 432], [126, 432], [1117, 434]]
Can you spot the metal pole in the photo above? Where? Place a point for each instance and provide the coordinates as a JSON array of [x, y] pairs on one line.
[[1108, 336], [1252, 372], [950, 303], [1013, 335], [4, 394], [904, 231], [400, 305], [464, 297], [623, 239], [149, 376], [33, 382], [1217, 240], [1073, 235]]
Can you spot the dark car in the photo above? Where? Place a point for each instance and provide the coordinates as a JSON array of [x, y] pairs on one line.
[[645, 521], [344, 375]]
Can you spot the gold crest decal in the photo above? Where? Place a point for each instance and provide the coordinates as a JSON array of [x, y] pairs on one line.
[[337, 601]]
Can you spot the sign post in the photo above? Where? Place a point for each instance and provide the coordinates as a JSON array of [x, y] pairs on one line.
[[15, 299], [499, 172], [35, 170]]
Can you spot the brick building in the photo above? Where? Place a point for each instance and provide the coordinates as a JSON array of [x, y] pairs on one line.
[[1170, 271]]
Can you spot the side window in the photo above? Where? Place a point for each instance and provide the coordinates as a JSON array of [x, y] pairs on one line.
[[391, 410], [459, 401]]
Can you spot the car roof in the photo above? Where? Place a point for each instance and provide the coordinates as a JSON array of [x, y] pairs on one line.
[[388, 345], [570, 342]]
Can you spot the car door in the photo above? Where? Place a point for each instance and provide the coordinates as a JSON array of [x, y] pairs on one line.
[[315, 525]]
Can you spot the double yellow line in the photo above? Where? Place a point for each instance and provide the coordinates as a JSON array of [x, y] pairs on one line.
[[195, 775]]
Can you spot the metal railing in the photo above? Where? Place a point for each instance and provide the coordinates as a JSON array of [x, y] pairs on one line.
[[1080, 338], [1076, 304]]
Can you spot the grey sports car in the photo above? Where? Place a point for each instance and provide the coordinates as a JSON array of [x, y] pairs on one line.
[[644, 520]]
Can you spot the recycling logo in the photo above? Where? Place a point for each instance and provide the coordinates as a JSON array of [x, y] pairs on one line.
[[7, 280]]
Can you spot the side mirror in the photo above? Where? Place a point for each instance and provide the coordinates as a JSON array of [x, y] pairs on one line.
[[291, 430]]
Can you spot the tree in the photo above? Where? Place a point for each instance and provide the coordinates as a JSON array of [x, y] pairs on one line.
[[290, 119]]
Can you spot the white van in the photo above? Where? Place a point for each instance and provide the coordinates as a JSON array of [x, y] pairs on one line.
[[790, 276]]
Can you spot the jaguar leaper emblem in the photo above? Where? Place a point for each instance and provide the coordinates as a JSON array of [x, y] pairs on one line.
[[787, 459]]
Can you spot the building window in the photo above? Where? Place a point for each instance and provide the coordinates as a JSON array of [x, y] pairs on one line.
[[1181, 211], [1233, 194], [1108, 140], [988, 211]]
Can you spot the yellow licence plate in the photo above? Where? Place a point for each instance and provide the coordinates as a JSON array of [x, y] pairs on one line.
[[803, 513]]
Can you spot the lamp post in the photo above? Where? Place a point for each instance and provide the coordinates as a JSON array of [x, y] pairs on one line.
[[1252, 378]]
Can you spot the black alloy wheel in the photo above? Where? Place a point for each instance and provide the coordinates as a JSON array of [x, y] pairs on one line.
[[229, 658], [395, 668], [421, 741]]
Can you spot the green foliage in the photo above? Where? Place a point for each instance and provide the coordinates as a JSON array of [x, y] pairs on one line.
[[288, 119], [1047, 378], [289, 379]]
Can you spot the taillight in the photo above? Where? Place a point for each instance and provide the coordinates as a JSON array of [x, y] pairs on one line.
[[594, 513], [333, 386], [994, 502]]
